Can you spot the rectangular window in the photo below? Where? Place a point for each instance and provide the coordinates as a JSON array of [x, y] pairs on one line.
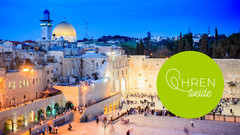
[[47, 81], [14, 85], [47, 72], [56, 69], [24, 83], [51, 71], [33, 81], [27, 83], [20, 84], [1, 83], [10, 85], [39, 79]]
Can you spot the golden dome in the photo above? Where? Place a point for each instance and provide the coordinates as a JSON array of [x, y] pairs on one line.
[[64, 29]]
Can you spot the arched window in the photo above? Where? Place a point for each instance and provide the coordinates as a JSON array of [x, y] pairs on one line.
[[10, 85], [20, 84], [27, 83], [14, 85], [24, 83]]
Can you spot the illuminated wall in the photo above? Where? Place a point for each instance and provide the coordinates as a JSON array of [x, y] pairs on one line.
[[143, 75]]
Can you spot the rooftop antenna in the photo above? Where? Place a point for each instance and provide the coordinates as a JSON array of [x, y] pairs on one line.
[[86, 29]]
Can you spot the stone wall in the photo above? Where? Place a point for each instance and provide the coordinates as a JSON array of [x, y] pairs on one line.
[[98, 91], [26, 109], [92, 111], [22, 86], [143, 75], [119, 73], [93, 64], [65, 118]]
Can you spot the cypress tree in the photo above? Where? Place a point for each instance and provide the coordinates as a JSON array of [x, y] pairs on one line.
[[137, 49], [216, 35], [180, 46], [204, 44], [187, 47], [141, 50]]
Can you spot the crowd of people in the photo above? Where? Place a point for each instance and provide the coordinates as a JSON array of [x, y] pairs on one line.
[[225, 104], [79, 109], [145, 105], [49, 130]]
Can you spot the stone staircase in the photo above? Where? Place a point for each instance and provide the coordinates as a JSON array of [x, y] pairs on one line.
[[77, 116]]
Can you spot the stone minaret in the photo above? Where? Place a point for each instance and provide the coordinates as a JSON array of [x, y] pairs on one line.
[[46, 25]]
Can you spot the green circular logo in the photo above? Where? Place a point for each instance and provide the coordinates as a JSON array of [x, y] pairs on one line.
[[190, 84]]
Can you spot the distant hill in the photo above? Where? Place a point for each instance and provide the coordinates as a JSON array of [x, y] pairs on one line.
[[116, 38]]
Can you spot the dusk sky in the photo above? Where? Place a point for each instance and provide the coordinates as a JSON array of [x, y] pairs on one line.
[[134, 18]]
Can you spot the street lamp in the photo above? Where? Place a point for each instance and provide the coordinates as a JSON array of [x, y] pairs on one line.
[[27, 69]]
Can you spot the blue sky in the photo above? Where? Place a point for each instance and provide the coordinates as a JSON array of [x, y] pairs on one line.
[[20, 18]]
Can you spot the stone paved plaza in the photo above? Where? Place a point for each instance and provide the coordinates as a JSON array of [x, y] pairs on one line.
[[154, 125]]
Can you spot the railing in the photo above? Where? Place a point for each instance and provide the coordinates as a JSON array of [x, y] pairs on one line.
[[26, 102], [226, 118], [58, 120]]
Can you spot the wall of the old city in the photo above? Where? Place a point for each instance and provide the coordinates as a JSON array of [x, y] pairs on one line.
[[119, 73], [98, 108], [143, 75], [93, 93], [25, 109]]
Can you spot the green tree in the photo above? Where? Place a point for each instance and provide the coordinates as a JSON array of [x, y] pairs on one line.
[[130, 50], [216, 35], [187, 46], [204, 44], [180, 46], [137, 49], [141, 48], [189, 39]]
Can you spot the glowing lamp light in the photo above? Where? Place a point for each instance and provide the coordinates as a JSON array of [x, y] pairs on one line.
[[25, 69], [84, 88], [32, 71]]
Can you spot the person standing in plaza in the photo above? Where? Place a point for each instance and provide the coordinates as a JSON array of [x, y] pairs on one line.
[[186, 131], [50, 129], [30, 130], [69, 127], [97, 120], [128, 132], [192, 124], [105, 126], [43, 131]]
